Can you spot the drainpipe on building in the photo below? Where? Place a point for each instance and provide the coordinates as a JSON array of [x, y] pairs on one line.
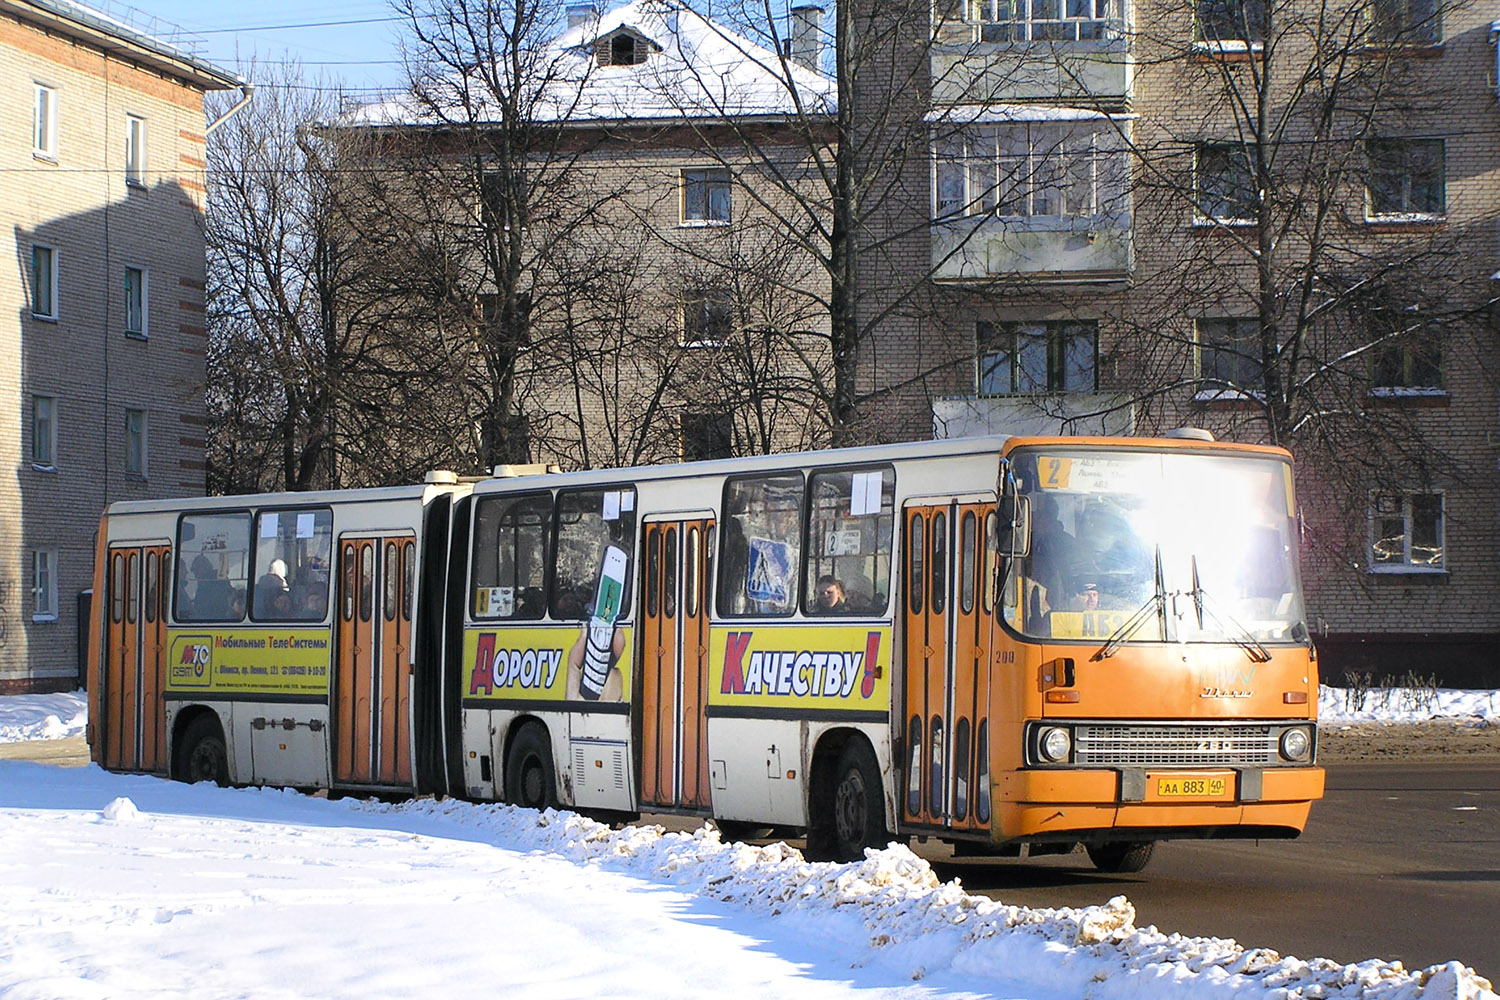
[[247, 90]]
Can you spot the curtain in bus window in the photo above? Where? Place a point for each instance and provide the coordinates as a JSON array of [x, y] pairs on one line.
[[293, 562], [510, 557], [214, 567], [590, 525], [850, 514], [762, 546]]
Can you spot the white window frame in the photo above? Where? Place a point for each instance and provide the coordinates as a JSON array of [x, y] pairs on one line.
[[711, 177], [44, 432], [137, 316], [1030, 171], [50, 312], [1045, 20], [44, 585], [44, 122], [135, 150], [1389, 505], [136, 444]]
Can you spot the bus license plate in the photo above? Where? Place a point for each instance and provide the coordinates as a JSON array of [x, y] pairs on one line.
[[1191, 788]]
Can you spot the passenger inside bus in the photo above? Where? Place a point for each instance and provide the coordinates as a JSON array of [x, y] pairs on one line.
[[832, 600]]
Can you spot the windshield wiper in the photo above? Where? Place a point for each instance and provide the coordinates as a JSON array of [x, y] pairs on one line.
[[1157, 602], [1228, 624]]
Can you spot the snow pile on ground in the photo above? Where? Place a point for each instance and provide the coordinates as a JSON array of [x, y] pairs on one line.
[[42, 716], [890, 910], [129, 886], [1394, 704]]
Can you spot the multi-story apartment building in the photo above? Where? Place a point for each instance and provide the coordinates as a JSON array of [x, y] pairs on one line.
[[1271, 219], [101, 305], [666, 258]]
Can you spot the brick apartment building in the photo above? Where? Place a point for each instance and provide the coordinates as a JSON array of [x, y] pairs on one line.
[[101, 305], [671, 311], [1144, 215]]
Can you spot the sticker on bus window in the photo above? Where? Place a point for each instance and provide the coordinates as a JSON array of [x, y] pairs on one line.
[[612, 506], [769, 572], [866, 494], [268, 525], [305, 525]]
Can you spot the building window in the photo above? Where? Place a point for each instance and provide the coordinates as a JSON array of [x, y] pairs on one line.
[[705, 196], [707, 436], [1044, 20], [707, 319], [1030, 170], [43, 282], [497, 205], [621, 49], [1018, 358], [135, 150], [1232, 23], [1406, 531], [1405, 22], [44, 431], [44, 585], [1406, 179], [1229, 353], [136, 301], [136, 457], [1411, 364], [44, 123], [1224, 183]]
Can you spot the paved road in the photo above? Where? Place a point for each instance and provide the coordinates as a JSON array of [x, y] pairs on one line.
[[1399, 861]]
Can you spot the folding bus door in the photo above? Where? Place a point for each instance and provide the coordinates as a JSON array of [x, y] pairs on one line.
[[134, 723], [371, 691], [947, 656], [674, 658]]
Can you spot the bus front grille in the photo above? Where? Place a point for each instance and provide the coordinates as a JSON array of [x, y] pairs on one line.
[[1117, 745]]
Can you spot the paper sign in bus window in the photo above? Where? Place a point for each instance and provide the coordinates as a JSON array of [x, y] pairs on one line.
[[305, 525], [769, 572]]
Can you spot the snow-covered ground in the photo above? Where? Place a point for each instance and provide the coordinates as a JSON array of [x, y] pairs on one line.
[[127, 886]]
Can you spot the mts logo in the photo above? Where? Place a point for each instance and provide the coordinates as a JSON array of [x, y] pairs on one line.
[[196, 656]]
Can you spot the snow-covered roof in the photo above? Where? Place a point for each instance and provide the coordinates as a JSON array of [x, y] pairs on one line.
[[155, 39], [699, 69]]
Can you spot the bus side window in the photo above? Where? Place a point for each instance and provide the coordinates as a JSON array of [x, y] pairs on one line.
[[762, 562], [850, 520]]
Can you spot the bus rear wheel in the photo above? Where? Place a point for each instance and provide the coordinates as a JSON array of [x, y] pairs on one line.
[[202, 755], [529, 780], [852, 818], [1121, 857]]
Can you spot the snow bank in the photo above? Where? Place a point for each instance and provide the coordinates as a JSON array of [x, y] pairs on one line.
[[42, 716], [1406, 705], [890, 910]]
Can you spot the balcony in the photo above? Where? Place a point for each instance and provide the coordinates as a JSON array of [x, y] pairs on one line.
[[987, 248], [1094, 414]]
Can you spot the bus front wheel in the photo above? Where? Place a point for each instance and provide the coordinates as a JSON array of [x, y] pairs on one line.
[[202, 755], [529, 780], [1121, 857]]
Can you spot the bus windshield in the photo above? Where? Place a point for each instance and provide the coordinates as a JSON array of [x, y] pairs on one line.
[[1170, 546]]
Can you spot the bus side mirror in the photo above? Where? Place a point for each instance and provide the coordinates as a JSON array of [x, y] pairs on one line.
[[1013, 526]]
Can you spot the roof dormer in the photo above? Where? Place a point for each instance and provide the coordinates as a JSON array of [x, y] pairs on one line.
[[623, 46]]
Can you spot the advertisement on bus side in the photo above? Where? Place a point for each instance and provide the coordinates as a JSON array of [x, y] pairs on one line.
[[546, 663], [820, 667], [250, 661]]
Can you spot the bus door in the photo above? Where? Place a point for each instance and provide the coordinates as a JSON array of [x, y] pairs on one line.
[[371, 709], [674, 663], [135, 657], [948, 608]]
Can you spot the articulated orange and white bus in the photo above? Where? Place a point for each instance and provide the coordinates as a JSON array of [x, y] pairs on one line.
[[1017, 645]]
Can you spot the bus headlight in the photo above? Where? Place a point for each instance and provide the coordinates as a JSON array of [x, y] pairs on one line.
[[1054, 744], [1295, 744]]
